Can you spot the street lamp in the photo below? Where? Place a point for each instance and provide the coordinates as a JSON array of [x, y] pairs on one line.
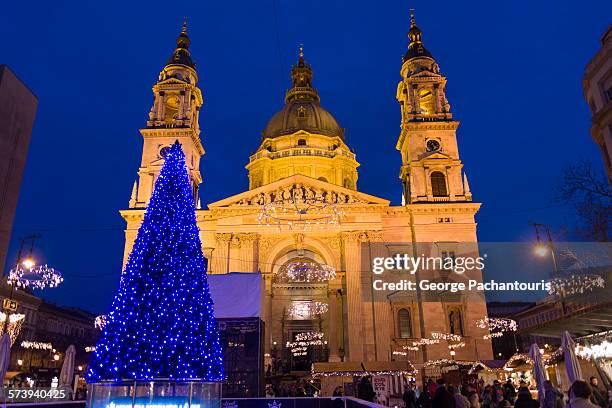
[[28, 263], [544, 248], [56, 357]]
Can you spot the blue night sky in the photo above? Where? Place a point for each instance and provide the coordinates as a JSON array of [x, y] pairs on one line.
[[514, 81]]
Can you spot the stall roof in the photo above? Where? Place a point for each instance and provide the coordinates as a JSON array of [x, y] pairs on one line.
[[236, 295]]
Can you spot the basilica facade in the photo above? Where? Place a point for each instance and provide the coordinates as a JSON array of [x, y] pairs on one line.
[[303, 206]]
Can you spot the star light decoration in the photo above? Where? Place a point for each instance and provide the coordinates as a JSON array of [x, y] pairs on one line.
[[161, 324], [300, 214], [575, 284], [13, 328], [306, 271], [36, 345], [305, 310], [497, 326], [35, 277]]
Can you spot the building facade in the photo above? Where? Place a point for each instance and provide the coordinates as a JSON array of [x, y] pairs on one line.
[[17, 112], [304, 156], [597, 85]]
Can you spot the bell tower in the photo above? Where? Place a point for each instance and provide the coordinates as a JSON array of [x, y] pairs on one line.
[[431, 169], [173, 117]]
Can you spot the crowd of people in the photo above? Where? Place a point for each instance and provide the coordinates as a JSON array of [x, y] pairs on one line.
[[477, 394]]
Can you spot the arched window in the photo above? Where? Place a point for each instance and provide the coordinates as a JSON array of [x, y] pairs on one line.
[[404, 324], [438, 184], [322, 179], [455, 321], [302, 142]]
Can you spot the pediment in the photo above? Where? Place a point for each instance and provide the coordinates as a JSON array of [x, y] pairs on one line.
[[171, 81], [299, 187], [435, 155]]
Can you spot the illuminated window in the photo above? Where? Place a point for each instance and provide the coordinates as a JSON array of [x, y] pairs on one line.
[[404, 324], [302, 142], [438, 184]]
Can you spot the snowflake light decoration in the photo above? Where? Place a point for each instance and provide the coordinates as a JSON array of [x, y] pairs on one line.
[[36, 277]]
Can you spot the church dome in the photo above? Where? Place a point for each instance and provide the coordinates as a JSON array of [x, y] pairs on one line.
[[302, 115], [302, 110]]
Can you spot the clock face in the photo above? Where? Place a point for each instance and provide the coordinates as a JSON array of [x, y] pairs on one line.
[[433, 145]]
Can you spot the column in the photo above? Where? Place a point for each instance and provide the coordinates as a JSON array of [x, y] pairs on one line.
[[383, 314], [221, 253], [333, 318], [354, 340]]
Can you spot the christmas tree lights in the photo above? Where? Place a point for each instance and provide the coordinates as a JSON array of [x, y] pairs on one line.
[[161, 324]]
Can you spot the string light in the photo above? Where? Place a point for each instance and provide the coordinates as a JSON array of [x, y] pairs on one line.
[[575, 284], [456, 346], [35, 277], [90, 349], [425, 342], [411, 348], [595, 351], [100, 322], [15, 321], [306, 271], [161, 324], [305, 310], [299, 347], [445, 336], [496, 326], [36, 345], [298, 212]]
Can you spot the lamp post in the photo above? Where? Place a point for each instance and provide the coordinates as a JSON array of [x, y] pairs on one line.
[[542, 249]]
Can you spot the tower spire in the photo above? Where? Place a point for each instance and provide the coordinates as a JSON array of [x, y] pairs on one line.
[[415, 47], [181, 54], [301, 77]]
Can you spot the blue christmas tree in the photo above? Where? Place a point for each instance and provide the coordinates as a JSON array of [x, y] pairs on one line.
[[161, 324]]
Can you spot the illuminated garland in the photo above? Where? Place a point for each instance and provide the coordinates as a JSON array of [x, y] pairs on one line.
[[411, 348], [575, 284], [306, 309], [300, 214], [425, 342], [306, 271], [456, 346], [496, 326], [37, 277], [595, 351], [399, 353], [14, 325], [445, 336], [517, 357], [447, 362], [36, 345], [299, 347], [100, 322]]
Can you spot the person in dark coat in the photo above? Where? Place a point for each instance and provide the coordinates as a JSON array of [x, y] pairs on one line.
[[597, 396], [424, 400], [525, 400], [365, 391], [509, 391], [409, 397], [442, 398]]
